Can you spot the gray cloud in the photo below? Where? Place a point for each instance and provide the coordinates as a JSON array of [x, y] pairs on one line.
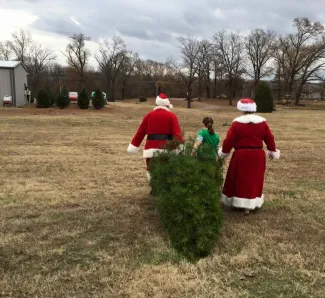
[[56, 24], [150, 27]]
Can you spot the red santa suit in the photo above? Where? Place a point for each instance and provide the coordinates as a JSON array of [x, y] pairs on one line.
[[160, 125], [244, 182]]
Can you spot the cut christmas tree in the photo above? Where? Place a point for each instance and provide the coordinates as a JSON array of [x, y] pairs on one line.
[[188, 199]]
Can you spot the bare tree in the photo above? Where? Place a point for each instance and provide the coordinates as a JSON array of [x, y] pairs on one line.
[[36, 63], [152, 70], [113, 55], [314, 63], [260, 47], [218, 71], [6, 52], [128, 69], [78, 55], [230, 48], [33, 55], [187, 70], [21, 45], [300, 51], [203, 64]]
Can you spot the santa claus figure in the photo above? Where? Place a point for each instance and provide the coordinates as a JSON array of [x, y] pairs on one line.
[[160, 126], [244, 182]]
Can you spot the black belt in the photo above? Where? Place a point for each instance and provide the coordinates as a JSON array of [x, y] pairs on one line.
[[258, 148], [158, 137]]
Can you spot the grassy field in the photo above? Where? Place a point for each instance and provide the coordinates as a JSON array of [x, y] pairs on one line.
[[77, 219]]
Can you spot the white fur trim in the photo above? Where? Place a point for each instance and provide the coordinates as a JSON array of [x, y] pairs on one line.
[[249, 119], [170, 106], [162, 102], [132, 149], [221, 154], [275, 154], [246, 107], [161, 108], [148, 153], [148, 176], [250, 204]]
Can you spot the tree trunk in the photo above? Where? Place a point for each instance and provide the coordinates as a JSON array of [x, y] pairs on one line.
[[123, 90], [113, 90], [298, 95], [230, 92], [322, 95], [200, 90], [188, 97], [291, 86], [35, 84], [82, 79], [207, 82], [208, 88], [230, 97], [215, 85], [279, 89]]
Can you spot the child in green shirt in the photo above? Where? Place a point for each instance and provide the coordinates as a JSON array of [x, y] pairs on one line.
[[208, 137]]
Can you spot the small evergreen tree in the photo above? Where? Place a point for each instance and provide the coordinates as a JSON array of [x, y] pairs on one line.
[[62, 101], [83, 99], [44, 99], [263, 98], [142, 99], [51, 95], [188, 199], [65, 91], [98, 100]]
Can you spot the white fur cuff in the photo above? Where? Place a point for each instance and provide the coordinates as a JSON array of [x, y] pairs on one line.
[[132, 149], [221, 154], [275, 154]]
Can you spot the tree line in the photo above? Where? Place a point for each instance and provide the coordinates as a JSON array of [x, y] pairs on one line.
[[226, 65]]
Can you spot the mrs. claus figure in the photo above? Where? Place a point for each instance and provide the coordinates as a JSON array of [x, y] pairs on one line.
[[243, 187], [160, 126]]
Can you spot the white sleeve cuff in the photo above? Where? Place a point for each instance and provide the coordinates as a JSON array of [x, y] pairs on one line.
[[221, 154], [275, 154], [132, 149], [199, 139]]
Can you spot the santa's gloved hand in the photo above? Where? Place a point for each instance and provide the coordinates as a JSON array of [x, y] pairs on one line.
[[132, 149], [274, 154]]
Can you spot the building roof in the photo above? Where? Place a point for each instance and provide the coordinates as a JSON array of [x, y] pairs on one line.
[[11, 64]]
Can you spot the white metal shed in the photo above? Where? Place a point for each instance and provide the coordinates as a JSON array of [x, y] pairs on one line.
[[13, 77]]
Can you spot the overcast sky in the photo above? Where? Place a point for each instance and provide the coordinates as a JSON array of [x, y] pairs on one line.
[[148, 27]]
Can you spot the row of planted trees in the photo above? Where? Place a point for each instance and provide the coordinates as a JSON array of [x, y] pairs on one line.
[[46, 99]]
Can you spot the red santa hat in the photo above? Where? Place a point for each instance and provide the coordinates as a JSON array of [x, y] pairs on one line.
[[246, 105], [162, 100]]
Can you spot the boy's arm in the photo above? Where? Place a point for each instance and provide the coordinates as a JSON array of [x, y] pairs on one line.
[[197, 143]]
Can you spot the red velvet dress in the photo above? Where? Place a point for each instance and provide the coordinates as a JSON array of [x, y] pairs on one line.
[[244, 182]]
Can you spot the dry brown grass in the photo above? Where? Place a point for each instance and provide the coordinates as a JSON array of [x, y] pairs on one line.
[[77, 221]]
